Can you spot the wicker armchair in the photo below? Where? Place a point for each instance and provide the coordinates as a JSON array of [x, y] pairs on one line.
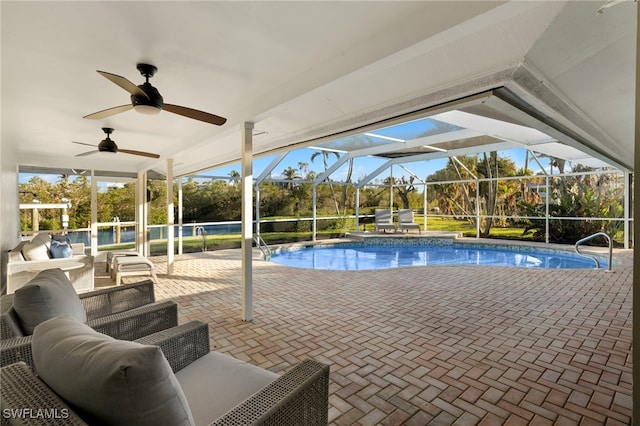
[[126, 312], [298, 397]]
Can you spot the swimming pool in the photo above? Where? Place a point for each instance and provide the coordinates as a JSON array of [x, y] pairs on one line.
[[361, 256]]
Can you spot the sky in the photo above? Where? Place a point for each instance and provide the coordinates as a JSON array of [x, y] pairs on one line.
[[362, 166]]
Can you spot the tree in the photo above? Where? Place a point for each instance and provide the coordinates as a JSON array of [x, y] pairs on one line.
[[325, 161]]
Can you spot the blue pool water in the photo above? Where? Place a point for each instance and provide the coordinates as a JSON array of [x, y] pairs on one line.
[[348, 256]]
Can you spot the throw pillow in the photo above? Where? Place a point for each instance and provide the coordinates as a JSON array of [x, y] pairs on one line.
[[60, 250], [108, 381], [48, 295], [37, 248]]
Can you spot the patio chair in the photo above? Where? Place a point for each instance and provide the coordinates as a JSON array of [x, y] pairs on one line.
[[384, 220], [406, 221], [182, 382], [127, 312]]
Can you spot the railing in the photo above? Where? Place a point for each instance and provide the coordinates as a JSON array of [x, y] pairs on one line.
[[201, 231], [262, 245], [591, 256]]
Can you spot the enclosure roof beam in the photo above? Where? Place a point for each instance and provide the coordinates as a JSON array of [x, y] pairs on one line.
[[331, 169], [270, 167], [375, 173], [499, 146], [418, 142]]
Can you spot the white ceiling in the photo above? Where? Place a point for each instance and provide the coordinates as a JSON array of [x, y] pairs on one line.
[[301, 70]]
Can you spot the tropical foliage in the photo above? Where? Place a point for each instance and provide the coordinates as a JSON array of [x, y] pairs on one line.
[[504, 197]]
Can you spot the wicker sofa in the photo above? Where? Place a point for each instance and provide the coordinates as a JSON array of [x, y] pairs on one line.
[[30, 257], [207, 387], [126, 312]]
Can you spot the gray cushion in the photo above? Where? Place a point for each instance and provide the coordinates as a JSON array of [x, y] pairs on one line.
[[108, 381], [49, 294], [216, 383]]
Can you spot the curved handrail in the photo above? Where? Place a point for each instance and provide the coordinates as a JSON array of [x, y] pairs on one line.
[[262, 245], [595, 258], [200, 230]]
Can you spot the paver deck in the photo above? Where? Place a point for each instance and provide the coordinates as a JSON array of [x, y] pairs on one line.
[[462, 345]]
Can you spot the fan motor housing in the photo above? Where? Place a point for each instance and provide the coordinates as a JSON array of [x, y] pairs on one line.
[[154, 101]]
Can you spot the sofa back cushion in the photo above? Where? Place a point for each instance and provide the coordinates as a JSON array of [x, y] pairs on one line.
[[48, 295], [108, 381], [37, 248]]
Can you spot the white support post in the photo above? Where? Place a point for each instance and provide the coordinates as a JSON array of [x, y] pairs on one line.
[[477, 208], [627, 207], [94, 215], [247, 221], [170, 218], [314, 213], [425, 207], [357, 188], [546, 213], [180, 229], [258, 208], [141, 214]]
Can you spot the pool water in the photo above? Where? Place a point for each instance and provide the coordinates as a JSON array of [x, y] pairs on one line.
[[346, 257]]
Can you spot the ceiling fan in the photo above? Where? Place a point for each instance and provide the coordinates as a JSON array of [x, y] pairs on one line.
[[147, 100], [109, 145]]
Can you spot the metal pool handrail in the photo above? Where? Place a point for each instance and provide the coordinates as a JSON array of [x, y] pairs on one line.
[[262, 245], [595, 258]]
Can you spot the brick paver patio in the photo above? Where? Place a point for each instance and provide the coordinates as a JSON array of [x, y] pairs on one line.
[[459, 345]]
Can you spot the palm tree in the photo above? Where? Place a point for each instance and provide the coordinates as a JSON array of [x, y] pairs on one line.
[[325, 162], [235, 177], [290, 173]]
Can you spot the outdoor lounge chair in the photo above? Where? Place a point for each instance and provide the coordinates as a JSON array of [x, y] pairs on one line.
[[384, 220], [406, 221], [88, 378], [127, 312]]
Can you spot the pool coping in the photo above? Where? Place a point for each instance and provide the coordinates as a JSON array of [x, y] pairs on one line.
[[454, 238]]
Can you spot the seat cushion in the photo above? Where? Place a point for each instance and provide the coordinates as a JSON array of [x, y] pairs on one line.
[[48, 295], [108, 381], [216, 383]]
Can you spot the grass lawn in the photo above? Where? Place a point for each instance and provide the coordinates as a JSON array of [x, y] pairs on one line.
[[226, 241]]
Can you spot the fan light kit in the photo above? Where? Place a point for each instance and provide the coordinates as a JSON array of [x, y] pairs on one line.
[[108, 145], [147, 100]]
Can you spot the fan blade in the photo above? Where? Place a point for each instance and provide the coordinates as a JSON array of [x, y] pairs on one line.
[[82, 143], [195, 114], [124, 83], [142, 153], [109, 112], [87, 153]]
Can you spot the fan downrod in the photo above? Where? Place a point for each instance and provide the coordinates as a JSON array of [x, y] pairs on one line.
[[107, 130], [147, 70]]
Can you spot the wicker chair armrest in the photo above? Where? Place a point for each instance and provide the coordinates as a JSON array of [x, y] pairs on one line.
[[181, 345], [16, 349], [138, 322], [299, 397], [25, 398], [113, 300]]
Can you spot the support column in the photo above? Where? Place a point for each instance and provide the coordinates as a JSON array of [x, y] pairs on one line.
[[636, 253], [180, 216], [170, 218], [357, 188], [314, 213], [247, 222], [94, 215], [141, 214], [627, 208]]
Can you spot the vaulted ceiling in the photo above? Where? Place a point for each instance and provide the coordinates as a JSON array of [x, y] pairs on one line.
[[303, 70]]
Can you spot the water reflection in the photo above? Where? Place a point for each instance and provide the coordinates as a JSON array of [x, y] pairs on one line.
[[362, 257]]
